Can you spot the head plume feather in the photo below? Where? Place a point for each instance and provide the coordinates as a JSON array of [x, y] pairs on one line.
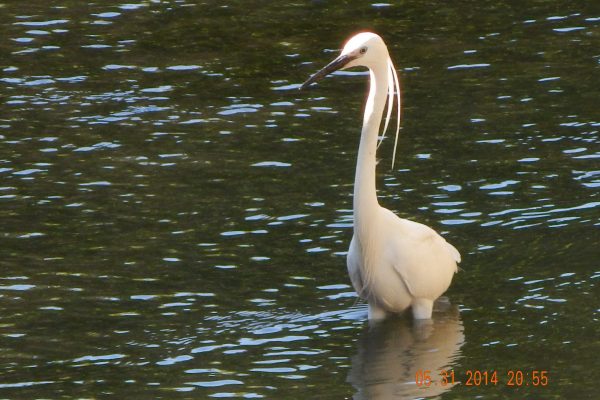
[[393, 88]]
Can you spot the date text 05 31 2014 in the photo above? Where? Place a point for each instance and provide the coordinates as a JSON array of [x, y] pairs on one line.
[[474, 377]]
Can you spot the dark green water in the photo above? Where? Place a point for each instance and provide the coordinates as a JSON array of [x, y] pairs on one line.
[[175, 213]]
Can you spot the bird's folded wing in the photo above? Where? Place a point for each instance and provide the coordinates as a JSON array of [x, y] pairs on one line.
[[424, 260], [455, 254]]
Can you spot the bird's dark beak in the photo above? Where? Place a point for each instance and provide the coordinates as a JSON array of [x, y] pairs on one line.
[[333, 66]]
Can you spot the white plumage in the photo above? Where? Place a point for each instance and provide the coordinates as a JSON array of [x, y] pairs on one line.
[[393, 263]]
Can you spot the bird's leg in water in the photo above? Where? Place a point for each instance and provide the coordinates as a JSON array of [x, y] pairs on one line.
[[376, 312], [422, 308]]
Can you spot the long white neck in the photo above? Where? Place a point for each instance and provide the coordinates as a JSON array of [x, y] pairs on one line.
[[365, 194]]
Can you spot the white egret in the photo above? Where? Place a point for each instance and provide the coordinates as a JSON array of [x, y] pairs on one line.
[[393, 263]]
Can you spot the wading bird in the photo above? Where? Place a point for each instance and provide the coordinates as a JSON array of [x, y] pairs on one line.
[[393, 263]]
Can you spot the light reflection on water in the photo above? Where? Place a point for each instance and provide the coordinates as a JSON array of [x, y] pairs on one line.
[[390, 355], [177, 214]]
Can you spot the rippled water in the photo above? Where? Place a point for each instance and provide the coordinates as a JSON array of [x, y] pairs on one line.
[[176, 213]]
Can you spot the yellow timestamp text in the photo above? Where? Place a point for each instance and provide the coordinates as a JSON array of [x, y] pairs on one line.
[[475, 377]]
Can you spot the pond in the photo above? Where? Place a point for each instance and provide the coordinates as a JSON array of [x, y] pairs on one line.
[[176, 214]]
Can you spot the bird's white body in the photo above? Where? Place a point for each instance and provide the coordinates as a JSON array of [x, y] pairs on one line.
[[393, 263], [400, 264]]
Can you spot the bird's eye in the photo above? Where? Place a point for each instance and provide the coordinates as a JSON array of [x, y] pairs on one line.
[[363, 50]]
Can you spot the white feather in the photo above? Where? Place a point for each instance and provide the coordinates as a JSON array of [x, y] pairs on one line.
[[396, 85], [393, 88], [390, 105]]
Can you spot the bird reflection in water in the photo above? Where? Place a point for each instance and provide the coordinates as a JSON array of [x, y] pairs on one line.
[[390, 353]]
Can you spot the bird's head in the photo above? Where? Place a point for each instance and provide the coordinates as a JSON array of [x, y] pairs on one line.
[[362, 50], [367, 49]]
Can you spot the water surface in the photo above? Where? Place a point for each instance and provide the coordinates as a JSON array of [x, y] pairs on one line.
[[176, 214]]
